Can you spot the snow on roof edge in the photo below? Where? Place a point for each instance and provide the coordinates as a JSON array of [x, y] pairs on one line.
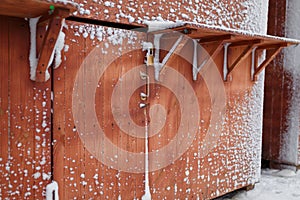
[[162, 25]]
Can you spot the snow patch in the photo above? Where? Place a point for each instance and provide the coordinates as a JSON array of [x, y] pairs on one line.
[[272, 187], [36, 175], [33, 60], [33, 57], [49, 191], [161, 25], [286, 173]]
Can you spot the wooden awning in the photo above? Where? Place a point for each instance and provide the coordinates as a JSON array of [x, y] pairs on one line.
[[31, 8], [51, 16], [227, 38]]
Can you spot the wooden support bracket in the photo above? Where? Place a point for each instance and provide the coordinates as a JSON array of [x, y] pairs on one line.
[[270, 56], [213, 54], [248, 43], [49, 41], [248, 49], [209, 58], [177, 50]]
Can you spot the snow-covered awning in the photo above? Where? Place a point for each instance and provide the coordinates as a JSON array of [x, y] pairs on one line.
[[226, 38], [49, 15], [198, 31], [33, 8]]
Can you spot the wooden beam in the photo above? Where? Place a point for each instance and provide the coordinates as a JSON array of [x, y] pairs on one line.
[[270, 56], [177, 50], [240, 59], [32, 8], [214, 38], [64, 13], [272, 46], [212, 55], [214, 52], [168, 30], [244, 42], [48, 44]]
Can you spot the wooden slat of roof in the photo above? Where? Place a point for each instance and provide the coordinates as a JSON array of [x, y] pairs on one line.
[[203, 31], [29, 8]]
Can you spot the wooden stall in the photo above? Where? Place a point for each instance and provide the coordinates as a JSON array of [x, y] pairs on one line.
[[188, 94], [280, 138]]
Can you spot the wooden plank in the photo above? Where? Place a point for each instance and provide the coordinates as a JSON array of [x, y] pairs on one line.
[[245, 42], [240, 59], [67, 150], [176, 52], [4, 111], [91, 169], [269, 58], [110, 186], [168, 30], [21, 141], [58, 128], [213, 52], [74, 164], [30, 156], [139, 145], [272, 46], [48, 44], [214, 38], [30, 8], [42, 127]]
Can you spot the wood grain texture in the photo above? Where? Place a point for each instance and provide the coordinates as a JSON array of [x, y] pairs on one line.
[[29, 8], [4, 106], [27, 136], [79, 173], [277, 93], [82, 175]]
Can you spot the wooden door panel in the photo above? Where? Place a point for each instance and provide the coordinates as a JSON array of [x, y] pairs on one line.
[[101, 75]]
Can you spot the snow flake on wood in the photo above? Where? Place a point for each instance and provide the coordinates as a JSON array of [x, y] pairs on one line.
[[245, 14]]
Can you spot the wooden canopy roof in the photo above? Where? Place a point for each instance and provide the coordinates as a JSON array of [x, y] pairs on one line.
[[208, 33], [31, 8], [251, 43]]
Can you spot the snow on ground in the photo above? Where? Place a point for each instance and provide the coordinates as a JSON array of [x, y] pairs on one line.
[[274, 185]]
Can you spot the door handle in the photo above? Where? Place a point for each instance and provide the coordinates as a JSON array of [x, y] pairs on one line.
[[143, 95]]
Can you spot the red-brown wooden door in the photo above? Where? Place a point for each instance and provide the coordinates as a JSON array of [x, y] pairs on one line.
[[101, 117]]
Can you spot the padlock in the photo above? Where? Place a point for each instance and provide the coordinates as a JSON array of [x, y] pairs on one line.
[[150, 57]]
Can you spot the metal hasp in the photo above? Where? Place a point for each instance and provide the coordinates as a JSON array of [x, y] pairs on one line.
[[245, 45]]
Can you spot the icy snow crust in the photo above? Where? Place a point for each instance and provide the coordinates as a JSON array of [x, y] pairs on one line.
[[247, 15], [274, 185], [290, 144], [161, 25]]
